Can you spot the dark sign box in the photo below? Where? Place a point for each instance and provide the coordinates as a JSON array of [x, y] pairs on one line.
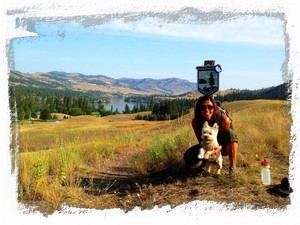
[[207, 79]]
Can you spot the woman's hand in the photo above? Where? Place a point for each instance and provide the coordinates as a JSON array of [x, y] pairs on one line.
[[216, 150]]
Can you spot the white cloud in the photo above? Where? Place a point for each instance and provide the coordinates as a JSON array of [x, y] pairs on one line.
[[244, 29]]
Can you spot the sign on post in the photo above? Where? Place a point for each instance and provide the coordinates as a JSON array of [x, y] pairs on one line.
[[208, 77]]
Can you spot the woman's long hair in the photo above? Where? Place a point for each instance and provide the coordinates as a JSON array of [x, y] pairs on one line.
[[197, 111]]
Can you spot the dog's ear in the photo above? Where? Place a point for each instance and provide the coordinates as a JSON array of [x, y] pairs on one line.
[[216, 126], [205, 124]]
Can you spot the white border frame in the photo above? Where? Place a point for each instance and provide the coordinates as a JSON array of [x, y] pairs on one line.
[[191, 213]]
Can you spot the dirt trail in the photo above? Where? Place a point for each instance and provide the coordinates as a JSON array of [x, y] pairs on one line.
[[116, 176], [116, 185]]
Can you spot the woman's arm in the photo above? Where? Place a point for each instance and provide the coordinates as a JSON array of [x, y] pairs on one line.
[[225, 122]]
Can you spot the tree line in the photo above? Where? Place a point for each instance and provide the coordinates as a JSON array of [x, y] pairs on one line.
[[167, 109], [280, 92], [33, 102]]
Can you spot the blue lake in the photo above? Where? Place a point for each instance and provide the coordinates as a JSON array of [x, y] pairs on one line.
[[118, 103]]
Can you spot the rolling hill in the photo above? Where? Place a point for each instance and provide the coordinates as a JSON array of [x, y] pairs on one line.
[[107, 87], [101, 83]]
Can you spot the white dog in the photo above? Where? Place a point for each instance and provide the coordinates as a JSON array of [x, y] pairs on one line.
[[209, 142]]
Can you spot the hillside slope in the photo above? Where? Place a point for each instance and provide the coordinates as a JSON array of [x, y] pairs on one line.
[[101, 161], [104, 84]]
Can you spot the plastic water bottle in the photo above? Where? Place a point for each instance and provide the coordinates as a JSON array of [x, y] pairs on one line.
[[265, 172]]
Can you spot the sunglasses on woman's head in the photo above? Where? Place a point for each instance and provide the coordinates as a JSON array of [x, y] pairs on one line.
[[204, 107]]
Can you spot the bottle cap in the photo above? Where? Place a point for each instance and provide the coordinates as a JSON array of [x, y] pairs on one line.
[[265, 163]]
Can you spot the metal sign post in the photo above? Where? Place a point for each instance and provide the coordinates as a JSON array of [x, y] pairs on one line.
[[208, 77]]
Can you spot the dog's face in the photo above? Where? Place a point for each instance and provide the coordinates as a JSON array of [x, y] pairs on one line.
[[209, 134]]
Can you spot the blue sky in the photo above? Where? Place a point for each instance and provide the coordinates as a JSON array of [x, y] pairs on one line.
[[250, 49]]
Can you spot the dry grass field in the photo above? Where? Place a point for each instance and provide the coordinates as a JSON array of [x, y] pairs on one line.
[[118, 162]]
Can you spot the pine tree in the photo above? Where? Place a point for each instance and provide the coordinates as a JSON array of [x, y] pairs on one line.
[[45, 114], [127, 109]]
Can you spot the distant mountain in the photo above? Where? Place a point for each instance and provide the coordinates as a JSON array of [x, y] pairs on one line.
[[178, 88], [104, 84]]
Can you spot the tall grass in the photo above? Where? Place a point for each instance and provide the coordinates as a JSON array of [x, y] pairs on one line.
[[50, 156], [262, 126], [50, 153], [165, 149], [43, 174]]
